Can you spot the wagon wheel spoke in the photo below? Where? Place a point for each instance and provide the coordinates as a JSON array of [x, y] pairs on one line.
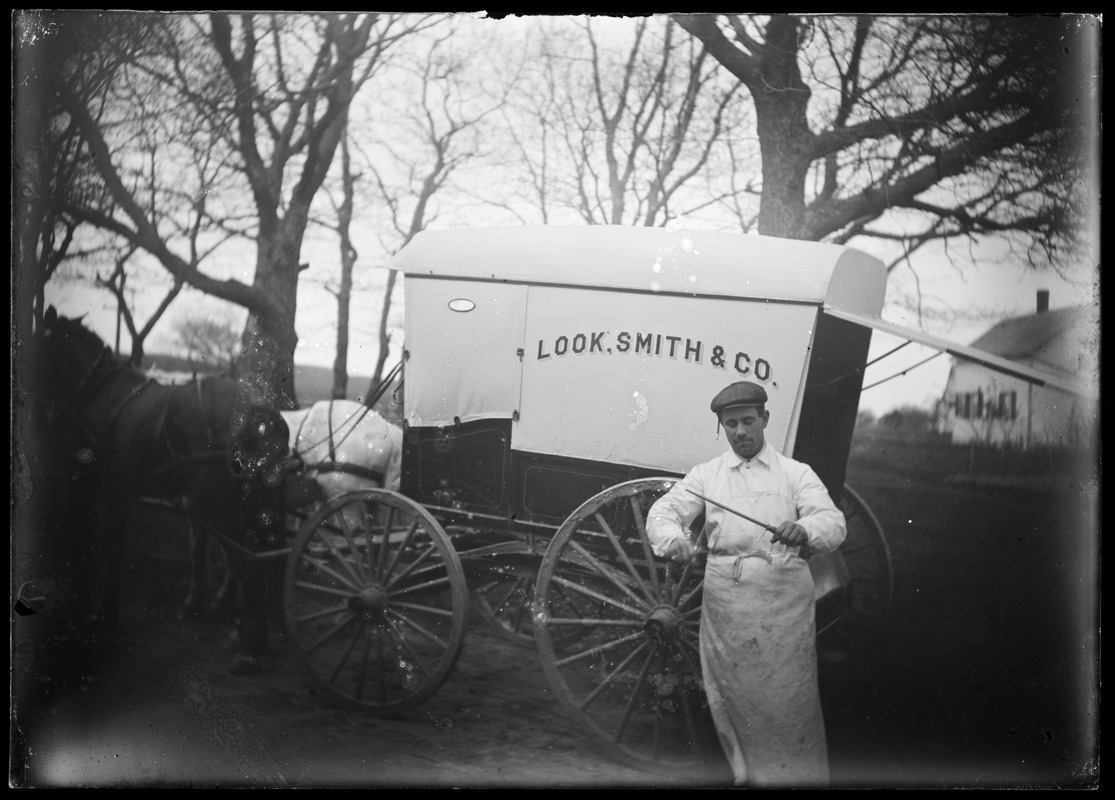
[[505, 597], [427, 634], [363, 668], [329, 634], [600, 649], [356, 579], [640, 684], [378, 565], [420, 661], [350, 540], [344, 655], [633, 680], [412, 566], [609, 678], [381, 630], [618, 548], [503, 601], [440, 612], [648, 556], [322, 566], [345, 593], [613, 576], [518, 616], [323, 612], [612, 602], [517, 587], [408, 540]]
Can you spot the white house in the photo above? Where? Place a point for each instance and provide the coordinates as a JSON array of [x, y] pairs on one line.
[[983, 405]]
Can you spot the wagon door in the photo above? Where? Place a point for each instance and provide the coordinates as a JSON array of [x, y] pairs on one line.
[[462, 374]]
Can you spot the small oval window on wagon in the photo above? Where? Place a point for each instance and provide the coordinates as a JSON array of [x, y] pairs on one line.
[[461, 305]]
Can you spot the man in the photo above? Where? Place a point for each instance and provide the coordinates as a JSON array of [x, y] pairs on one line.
[[757, 642]]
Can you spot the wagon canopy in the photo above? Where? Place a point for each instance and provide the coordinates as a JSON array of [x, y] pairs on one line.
[[696, 263], [605, 343]]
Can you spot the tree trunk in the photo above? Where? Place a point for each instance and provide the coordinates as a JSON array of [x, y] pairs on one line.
[[384, 338], [266, 369], [348, 262], [781, 102], [344, 295]]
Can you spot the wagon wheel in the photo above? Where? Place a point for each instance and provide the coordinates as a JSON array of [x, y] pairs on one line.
[[504, 595], [375, 601], [634, 679], [863, 606]]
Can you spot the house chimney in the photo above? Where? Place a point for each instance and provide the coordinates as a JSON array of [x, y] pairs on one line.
[[1043, 300]]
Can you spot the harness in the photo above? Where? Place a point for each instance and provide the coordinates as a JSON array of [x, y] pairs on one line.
[[213, 447], [86, 389], [93, 381], [331, 464]]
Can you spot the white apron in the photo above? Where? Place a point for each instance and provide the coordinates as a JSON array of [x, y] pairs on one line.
[[759, 656]]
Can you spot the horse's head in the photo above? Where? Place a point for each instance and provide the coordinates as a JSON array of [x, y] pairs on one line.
[[67, 356], [261, 443]]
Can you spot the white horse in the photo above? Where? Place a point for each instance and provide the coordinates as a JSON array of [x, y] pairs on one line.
[[346, 446]]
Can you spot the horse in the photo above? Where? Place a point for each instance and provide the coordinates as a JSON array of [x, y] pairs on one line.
[[346, 446], [343, 446], [201, 447]]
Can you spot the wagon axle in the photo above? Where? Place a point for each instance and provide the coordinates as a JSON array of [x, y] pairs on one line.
[[370, 603], [663, 624]]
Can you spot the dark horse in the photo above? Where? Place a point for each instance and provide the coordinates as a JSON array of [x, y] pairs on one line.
[[198, 447]]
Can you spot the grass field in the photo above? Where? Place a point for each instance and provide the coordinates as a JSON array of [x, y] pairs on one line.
[[987, 674]]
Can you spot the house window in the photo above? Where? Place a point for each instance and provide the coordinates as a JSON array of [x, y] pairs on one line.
[[1006, 406]]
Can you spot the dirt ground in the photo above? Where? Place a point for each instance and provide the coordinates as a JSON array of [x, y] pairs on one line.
[[986, 676]]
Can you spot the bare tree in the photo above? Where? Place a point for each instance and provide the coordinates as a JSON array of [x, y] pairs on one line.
[[404, 158], [914, 129], [348, 263], [446, 130], [208, 339], [52, 51], [116, 283], [623, 132], [269, 95]]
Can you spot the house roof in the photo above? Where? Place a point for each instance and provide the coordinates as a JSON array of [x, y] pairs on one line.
[[1021, 337]]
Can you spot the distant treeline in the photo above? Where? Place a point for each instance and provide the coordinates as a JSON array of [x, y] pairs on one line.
[[312, 383]]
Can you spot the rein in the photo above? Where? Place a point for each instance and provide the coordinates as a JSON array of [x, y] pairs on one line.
[[349, 426], [83, 392], [331, 464], [352, 423]]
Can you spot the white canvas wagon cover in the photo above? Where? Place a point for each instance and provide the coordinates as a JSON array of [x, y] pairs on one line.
[[652, 259], [607, 342]]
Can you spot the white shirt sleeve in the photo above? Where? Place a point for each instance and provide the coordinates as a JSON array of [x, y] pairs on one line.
[[671, 515], [820, 517]]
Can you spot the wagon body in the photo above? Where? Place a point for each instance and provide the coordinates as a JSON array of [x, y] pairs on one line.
[[557, 382], [545, 364]]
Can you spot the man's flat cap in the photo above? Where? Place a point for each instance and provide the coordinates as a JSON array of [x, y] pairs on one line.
[[742, 393]]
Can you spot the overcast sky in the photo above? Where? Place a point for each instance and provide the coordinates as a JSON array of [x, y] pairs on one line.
[[996, 288]]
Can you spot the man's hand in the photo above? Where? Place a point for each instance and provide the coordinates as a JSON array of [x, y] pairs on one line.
[[680, 549], [791, 534]]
